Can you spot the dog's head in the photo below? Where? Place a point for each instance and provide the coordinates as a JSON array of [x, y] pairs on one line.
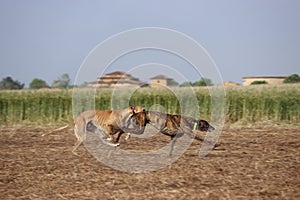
[[204, 126], [136, 109], [138, 122]]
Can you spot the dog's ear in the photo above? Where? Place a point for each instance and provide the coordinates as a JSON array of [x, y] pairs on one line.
[[132, 109], [203, 123]]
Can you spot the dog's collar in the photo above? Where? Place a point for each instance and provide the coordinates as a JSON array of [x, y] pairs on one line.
[[195, 126]]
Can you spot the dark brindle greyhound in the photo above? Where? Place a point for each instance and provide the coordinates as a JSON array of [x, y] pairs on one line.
[[171, 125], [176, 125]]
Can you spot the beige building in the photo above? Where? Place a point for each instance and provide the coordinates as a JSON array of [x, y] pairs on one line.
[[160, 81], [117, 78], [230, 83], [271, 80]]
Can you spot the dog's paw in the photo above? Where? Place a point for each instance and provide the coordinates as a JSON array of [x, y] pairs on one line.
[[218, 144], [75, 154], [113, 144], [127, 136]]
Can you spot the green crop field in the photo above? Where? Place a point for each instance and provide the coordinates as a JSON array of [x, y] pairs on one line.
[[249, 104]]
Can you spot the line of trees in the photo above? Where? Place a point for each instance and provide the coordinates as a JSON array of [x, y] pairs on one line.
[[9, 84], [64, 82], [294, 78], [201, 82]]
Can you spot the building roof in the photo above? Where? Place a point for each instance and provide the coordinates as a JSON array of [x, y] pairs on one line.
[[117, 78], [161, 77], [230, 83], [264, 77], [116, 73]]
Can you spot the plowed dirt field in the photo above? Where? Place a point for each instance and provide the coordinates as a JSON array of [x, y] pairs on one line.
[[250, 164]]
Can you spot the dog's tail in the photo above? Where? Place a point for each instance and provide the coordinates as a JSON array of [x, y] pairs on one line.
[[58, 129]]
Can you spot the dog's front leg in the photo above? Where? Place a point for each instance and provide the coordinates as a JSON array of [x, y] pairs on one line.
[[109, 136], [124, 129], [173, 141], [119, 134]]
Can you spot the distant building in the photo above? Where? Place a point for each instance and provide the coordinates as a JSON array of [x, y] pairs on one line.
[[161, 81], [117, 78], [271, 80]]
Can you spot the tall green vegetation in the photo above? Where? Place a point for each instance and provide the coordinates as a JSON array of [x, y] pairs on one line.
[[276, 103]]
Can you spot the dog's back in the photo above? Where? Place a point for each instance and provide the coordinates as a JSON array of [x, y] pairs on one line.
[[170, 124]]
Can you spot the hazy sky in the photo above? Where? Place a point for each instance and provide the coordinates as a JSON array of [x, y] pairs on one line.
[[44, 39]]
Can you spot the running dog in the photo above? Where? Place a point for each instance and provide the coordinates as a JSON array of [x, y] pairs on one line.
[[171, 125], [174, 126], [110, 122], [136, 124]]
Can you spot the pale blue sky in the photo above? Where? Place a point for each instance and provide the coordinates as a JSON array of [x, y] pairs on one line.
[[44, 39]]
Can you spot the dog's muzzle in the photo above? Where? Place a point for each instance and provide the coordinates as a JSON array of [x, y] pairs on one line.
[[210, 128]]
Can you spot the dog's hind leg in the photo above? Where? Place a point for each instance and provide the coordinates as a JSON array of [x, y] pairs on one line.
[[79, 137], [77, 144]]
